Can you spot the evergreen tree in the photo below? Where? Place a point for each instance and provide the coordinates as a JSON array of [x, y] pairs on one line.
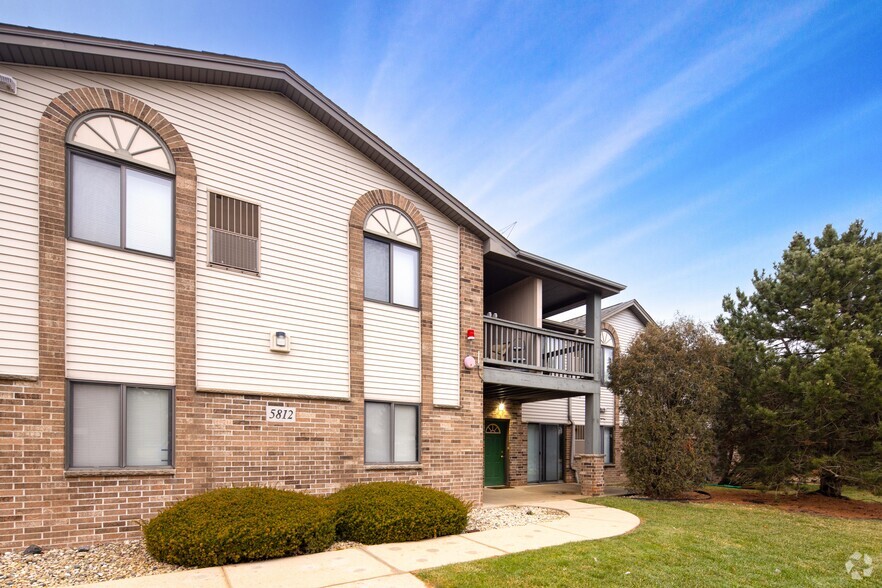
[[806, 348]]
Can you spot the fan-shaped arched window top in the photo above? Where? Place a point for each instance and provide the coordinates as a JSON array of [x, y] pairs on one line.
[[493, 429], [121, 137], [606, 339], [392, 224]]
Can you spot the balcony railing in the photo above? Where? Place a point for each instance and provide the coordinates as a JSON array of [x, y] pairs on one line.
[[515, 346]]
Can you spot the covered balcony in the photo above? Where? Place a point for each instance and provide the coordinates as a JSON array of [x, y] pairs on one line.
[[517, 355], [528, 357]]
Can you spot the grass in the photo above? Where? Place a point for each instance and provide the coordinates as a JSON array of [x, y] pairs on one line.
[[687, 545]]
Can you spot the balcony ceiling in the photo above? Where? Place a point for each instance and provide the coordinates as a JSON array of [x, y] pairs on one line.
[[557, 296]]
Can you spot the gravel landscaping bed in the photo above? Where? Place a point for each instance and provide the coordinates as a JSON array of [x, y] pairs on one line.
[[113, 561], [66, 567], [484, 519]]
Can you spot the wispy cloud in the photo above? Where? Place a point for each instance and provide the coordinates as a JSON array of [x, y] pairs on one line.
[[541, 131], [739, 53]]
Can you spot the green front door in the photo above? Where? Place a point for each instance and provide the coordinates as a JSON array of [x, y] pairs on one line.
[[495, 433]]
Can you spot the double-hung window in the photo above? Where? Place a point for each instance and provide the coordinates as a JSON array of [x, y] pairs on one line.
[[391, 432], [120, 185], [391, 258], [119, 426]]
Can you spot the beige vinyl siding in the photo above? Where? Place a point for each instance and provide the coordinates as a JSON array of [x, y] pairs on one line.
[[391, 353], [18, 242], [120, 316], [260, 147], [546, 411], [606, 403], [627, 327]]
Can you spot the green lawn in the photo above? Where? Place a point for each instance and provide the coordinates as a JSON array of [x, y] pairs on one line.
[[689, 545]]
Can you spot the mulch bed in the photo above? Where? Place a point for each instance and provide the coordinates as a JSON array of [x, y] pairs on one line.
[[684, 497], [804, 503]]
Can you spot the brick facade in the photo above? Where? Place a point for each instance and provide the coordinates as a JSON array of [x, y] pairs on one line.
[[591, 474], [220, 439]]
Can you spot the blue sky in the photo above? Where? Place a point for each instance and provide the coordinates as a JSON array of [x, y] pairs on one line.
[[672, 147]]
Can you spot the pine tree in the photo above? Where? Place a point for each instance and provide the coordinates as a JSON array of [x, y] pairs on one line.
[[806, 347]]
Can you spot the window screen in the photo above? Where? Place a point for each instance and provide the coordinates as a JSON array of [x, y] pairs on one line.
[[376, 270], [378, 432], [96, 425], [95, 201]]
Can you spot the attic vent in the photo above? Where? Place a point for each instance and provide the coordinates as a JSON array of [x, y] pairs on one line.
[[8, 84]]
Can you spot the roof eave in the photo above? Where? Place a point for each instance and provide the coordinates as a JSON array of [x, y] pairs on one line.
[[635, 307]]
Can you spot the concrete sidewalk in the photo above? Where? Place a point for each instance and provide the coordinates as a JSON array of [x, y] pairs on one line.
[[388, 565]]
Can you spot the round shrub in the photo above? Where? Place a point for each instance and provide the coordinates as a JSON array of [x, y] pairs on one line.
[[240, 524], [391, 512]]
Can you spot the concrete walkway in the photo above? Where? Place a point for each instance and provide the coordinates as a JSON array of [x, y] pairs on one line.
[[389, 565]]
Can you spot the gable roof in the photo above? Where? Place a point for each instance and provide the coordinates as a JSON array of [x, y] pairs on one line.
[[40, 47], [611, 311]]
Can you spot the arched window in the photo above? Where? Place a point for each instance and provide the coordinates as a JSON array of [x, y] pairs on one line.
[[608, 344], [120, 185], [391, 258]]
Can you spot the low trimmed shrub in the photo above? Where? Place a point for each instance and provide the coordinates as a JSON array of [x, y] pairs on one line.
[[392, 512], [233, 525]]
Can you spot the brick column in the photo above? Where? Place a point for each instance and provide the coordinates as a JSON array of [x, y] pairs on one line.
[[517, 447], [590, 474]]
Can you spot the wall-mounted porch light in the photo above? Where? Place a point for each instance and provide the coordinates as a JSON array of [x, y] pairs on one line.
[[280, 342]]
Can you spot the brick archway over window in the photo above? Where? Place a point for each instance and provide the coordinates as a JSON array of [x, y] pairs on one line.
[[604, 326], [56, 119], [360, 211]]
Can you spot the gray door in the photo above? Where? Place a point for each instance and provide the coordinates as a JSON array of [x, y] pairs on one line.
[[534, 453], [544, 453], [552, 453]]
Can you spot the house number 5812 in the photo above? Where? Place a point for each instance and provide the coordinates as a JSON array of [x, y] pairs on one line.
[[279, 414]]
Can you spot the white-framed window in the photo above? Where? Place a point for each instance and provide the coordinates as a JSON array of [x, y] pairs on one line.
[[119, 426], [391, 432], [120, 185], [234, 233], [391, 258]]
